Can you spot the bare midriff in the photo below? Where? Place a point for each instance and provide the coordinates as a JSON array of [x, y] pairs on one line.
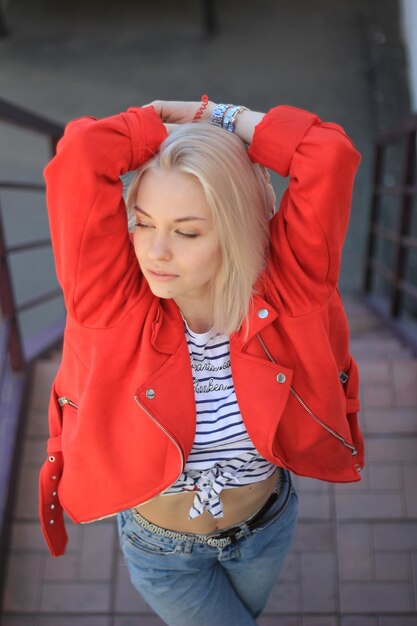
[[239, 503]]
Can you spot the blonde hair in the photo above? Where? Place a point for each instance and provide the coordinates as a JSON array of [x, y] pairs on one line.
[[241, 200]]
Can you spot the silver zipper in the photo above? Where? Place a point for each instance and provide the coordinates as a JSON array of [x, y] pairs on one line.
[[63, 401], [169, 437], [306, 408], [173, 483], [325, 426]]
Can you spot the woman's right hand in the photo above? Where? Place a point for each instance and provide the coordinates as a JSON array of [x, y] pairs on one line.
[[180, 112]]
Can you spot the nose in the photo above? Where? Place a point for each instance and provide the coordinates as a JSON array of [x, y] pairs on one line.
[[159, 248]]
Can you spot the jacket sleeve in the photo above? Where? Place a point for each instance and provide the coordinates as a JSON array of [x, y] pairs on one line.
[[95, 261], [308, 231]]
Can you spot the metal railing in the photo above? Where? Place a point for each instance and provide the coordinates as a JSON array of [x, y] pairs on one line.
[[399, 236], [16, 355]]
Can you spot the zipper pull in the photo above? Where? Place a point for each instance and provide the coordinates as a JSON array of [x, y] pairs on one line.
[[343, 377], [62, 401]]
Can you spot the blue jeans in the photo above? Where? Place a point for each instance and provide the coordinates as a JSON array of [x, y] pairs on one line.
[[194, 584]]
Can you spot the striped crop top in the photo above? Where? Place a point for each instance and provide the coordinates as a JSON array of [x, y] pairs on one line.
[[223, 456]]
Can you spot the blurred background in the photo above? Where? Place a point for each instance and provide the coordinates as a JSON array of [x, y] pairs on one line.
[[354, 62]]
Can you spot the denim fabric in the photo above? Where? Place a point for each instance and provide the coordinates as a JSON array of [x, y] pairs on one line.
[[190, 584]]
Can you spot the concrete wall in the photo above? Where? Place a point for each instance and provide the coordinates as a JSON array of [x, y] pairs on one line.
[[408, 9]]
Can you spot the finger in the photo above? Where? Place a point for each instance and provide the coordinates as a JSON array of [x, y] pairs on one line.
[[170, 127]]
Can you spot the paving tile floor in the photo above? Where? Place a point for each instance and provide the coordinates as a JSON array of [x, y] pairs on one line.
[[353, 561]]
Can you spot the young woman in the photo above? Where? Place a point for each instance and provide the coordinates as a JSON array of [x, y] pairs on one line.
[[206, 352]]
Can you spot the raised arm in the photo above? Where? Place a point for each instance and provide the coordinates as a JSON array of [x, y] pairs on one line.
[[95, 262], [308, 232]]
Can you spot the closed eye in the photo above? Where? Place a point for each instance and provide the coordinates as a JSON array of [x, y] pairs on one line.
[[188, 235]]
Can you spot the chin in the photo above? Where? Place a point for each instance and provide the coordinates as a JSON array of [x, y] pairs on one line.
[[161, 292]]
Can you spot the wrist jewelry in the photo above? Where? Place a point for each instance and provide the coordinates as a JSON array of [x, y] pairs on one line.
[[218, 114], [225, 115], [230, 117], [204, 103]]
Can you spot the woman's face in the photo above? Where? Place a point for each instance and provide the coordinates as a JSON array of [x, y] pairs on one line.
[[175, 240]]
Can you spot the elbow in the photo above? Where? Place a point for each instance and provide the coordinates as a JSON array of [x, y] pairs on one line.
[[77, 137], [75, 150], [338, 149]]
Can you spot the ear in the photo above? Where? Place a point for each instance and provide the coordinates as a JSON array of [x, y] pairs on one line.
[[272, 199], [266, 174]]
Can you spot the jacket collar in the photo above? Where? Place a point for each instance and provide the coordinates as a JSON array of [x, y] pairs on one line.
[[261, 314], [168, 326]]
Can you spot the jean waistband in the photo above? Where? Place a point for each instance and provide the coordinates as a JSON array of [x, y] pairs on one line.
[[224, 537]]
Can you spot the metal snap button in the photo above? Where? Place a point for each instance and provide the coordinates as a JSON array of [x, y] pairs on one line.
[[53, 477], [150, 394], [52, 521], [54, 494], [281, 378], [52, 506], [51, 459], [263, 313]]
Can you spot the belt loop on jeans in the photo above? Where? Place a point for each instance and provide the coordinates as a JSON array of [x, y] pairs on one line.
[[188, 548]]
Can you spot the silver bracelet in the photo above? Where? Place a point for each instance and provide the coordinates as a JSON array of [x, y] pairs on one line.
[[225, 116], [218, 114], [229, 120]]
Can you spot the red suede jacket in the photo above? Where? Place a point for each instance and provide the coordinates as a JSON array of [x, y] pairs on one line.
[[122, 410]]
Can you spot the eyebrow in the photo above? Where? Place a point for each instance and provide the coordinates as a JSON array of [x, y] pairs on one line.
[[188, 218]]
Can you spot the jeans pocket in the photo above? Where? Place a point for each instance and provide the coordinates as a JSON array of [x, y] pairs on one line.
[[146, 545], [134, 537]]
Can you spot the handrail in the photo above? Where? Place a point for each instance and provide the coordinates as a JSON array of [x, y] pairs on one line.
[[14, 186], [40, 299], [23, 118], [14, 352], [392, 308], [16, 357], [35, 243], [4, 342]]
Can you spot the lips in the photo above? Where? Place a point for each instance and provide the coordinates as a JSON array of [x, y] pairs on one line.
[[160, 275]]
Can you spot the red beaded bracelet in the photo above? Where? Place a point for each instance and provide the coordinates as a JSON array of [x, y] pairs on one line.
[[204, 103]]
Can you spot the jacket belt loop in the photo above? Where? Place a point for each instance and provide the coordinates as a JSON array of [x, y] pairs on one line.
[[51, 512], [54, 444]]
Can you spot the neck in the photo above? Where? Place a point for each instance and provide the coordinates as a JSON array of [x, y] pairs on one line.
[[199, 326], [198, 315]]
